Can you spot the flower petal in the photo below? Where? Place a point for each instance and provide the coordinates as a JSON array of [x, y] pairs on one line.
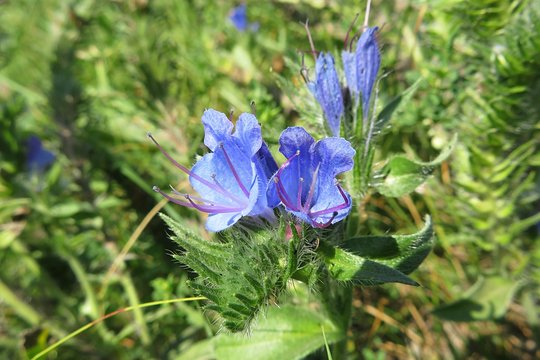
[[327, 90], [335, 155], [368, 61], [329, 197], [227, 191], [293, 139], [349, 67], [217, 128], [248, 133], [219, 222]]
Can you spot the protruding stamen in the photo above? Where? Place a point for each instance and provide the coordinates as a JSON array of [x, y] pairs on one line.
[[346, 42], [231, 115], [311, 192], [328, 223], [287, 162], [253, 107], [346, 203], [282, 194], [196, 198], [233, 170], [304, 70], [220, 190], [299, 193], [313, 51], [211, 209]]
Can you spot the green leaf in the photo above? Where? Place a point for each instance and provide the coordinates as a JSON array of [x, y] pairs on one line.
[[401, 252], [395, 105], [346, 266], [487, 299], [202, 350], [401, 176], [287, 332]]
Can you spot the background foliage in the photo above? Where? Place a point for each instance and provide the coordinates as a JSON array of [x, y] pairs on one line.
[[90, 78]]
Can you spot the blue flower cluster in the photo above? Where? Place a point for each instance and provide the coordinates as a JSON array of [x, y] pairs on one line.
[[239, 177], [360, 67]]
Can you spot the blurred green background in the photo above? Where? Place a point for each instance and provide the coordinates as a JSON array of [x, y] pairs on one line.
[[87, 79]]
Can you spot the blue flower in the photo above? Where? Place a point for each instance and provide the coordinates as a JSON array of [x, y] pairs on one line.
[[306, 183], [232, 179], [327, 91], [37, 158], [362, 66], [238, 16]]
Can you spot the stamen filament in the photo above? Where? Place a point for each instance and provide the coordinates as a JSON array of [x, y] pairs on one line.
[[299, 193], [282, 194], [345, 204], [196, 198], [191, 173], [231, 196], [313, 51], [328, 223], [211, 209], [311, 192], [235, 174], [287, 163], [349, 31]]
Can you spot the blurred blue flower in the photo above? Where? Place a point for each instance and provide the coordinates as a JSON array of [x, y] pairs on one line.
[[238, 16], [232, 179], [327, 91], [306, 183], [37, 157], [362, 66]]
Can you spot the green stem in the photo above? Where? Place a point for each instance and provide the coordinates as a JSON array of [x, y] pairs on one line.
[[21, 308], [80, 274], [134, 302], [25, 311]]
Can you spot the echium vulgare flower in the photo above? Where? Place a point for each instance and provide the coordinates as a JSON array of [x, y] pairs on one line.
[[238, 17], [327, 91], [232, 179], [38, 158], [361, 67], [306, 183]]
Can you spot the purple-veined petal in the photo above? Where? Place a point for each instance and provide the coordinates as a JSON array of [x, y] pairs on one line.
[[217, 128], [306, 183], [219, 222], [362, 66], [248, 133]]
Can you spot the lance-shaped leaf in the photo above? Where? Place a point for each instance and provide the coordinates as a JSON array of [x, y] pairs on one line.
[[487, 299], [401, 176], [346, 266], [394, 106], [286, 332], [401, 252]]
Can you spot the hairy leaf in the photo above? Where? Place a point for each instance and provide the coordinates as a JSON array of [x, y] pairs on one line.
[[487, 299], [401, 175], [286, 332], [346, 266], [401, 252]]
